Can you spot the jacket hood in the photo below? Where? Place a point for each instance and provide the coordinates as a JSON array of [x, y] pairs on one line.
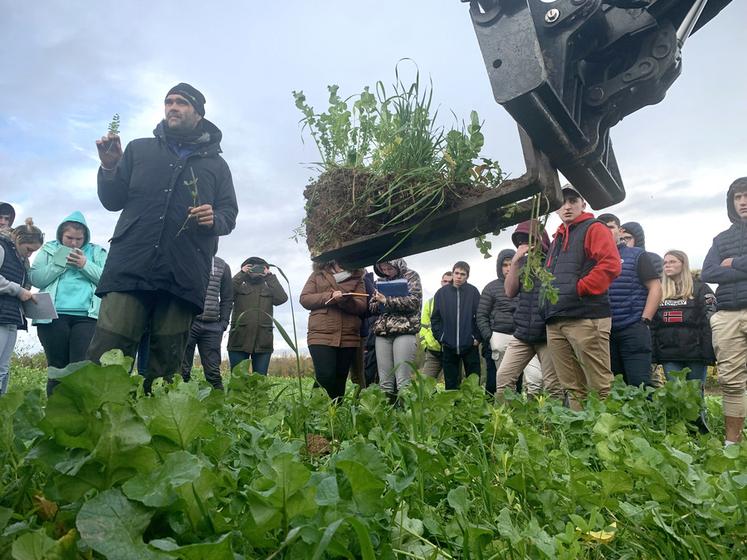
[[399, 264], [740, 185], [502, 256], [6, 208], [78, 218], [524, 227], [636, 230], [211, 134]]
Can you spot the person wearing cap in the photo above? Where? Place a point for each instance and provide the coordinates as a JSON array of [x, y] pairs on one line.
[[176, 196], [635, 296], [726, 265], [206, 332], [584, 260], [7, 215], [526, 351], [256, 291]]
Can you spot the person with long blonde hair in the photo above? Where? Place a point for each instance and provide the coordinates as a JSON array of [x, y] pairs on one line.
[[680, 330]]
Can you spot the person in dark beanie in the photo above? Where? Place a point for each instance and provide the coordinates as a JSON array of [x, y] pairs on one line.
[[176, 196], [7, 215], [256, 291], [726, 265], [454, 324], [631, 233], [495, 319], [208, 327]]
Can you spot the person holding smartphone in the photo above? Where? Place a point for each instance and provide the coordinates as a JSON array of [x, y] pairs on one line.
[[68, 268], [256, 291]]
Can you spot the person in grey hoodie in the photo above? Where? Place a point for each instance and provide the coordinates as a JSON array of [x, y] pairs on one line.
[[495, 318]]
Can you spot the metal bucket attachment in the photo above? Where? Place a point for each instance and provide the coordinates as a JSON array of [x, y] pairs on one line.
[[504, 206]]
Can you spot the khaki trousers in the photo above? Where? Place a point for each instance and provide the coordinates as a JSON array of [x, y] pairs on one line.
[[432, 364], [730, 343], [529, 359], [580, 351]]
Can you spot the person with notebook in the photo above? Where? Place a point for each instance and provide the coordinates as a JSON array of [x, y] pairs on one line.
[[396, 303], [16, 246], [68, 268]]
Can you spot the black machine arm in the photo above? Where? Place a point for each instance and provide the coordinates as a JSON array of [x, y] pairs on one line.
[[569, 70]]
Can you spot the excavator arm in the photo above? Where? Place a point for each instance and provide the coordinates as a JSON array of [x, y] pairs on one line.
[[569, 70]]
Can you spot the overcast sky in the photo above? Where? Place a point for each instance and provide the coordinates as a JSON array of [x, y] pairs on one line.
[[67, 68]]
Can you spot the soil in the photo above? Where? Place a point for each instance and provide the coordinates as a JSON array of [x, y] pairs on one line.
[[340, 204]]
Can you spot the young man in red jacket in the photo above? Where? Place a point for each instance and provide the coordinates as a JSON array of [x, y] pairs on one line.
[[584, 259]]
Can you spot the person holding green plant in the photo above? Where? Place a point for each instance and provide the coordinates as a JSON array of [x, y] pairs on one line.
[[16, 246], [176, 196], [726, 265], [431, 348], [336, 299], [397, 323], [68, 268], [256, 292]]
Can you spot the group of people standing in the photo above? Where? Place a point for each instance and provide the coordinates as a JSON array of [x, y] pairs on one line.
[[611, 307]]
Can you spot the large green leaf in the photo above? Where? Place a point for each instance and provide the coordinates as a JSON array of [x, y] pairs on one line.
[[113, 526], [33, 546], [364, 467], [219, 549], [176, 415], [156, 489]]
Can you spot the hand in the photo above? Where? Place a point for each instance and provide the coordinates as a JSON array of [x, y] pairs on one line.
[[379, 297], [522, 250], [110, 150], [727, 262], [203, 214], [245, 268], [337, 295], [476, 342], [25, 295], [76, 258]]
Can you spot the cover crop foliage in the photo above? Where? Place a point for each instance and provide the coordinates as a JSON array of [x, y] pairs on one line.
[[104, 471], [386, 162]]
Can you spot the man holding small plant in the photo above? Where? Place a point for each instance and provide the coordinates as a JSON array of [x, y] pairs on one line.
[[176, 196]]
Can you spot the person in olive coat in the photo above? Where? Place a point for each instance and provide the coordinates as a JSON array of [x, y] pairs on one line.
[[255, 292]]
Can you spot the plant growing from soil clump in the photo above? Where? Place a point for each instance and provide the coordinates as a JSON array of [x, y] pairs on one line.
[[386, 162]]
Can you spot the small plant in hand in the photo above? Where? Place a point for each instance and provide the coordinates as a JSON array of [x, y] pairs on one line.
[[386, 162], [191, 185], [114, 124]]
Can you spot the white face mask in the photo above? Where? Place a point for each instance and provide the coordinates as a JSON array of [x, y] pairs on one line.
[[341, 276]]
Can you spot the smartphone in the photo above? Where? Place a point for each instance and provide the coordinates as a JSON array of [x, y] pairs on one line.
[[257, 268]]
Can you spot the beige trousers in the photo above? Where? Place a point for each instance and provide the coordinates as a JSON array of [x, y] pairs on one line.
[[730, 343], [532, 360], [580, 351]]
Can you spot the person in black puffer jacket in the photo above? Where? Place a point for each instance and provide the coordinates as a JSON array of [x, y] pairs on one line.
[[527, 350], [495, 318], [726, 265]]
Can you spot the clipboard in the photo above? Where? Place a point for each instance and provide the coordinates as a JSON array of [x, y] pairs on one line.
[[42, 308]]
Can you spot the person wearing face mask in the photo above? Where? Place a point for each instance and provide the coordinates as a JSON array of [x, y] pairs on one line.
[[16, 246], [69, 269], [336, 299], [256, 291]]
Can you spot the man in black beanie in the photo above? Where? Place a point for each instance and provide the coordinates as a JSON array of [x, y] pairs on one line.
[[176, 196]]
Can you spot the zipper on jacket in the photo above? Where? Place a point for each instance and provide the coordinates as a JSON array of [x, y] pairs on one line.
[[458, 320]]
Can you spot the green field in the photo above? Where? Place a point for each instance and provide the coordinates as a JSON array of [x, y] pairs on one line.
[[271, 469]]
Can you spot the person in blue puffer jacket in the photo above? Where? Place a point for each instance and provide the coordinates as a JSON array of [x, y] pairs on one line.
[[68, 268]]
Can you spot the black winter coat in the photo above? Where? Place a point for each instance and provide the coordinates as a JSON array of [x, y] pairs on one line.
[[495, 312], [680, 330], [453, 320], [150, 185]]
